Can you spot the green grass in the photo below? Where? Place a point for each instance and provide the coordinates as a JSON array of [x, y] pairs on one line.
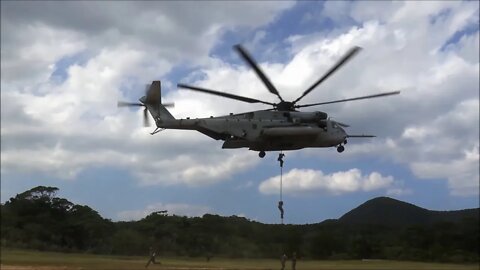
[[69, 261]]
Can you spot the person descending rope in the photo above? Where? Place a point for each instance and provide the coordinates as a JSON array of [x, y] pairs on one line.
[[280, 159], [280, 203], [280, 207]]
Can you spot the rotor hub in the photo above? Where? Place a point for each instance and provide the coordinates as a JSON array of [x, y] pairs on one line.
[[285, 106]]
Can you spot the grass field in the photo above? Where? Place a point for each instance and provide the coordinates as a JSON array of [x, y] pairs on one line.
[[32, 260]]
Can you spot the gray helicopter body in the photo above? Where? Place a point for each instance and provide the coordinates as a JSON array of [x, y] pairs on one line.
[[264, 130]]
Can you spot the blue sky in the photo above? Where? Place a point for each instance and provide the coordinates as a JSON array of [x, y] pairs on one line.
[[60, 125]]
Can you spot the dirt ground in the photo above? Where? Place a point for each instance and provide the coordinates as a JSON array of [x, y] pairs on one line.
[[23, 267], [26, 267]]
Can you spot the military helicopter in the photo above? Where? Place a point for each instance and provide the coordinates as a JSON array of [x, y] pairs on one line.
[[280, 128]]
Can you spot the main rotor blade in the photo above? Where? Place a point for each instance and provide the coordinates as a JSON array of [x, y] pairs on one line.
[[361, 136], [249, 59], [128, 104], [349, 99], [213, 92], [352, 52]]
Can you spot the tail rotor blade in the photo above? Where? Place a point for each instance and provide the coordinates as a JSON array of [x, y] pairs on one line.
[[128, 104], [169, 105], [150, 101], [146, 121]]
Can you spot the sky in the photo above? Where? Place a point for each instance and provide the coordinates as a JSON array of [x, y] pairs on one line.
[[64, 66]]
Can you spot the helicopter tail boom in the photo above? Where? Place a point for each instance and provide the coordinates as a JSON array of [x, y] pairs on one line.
[[158, 111]]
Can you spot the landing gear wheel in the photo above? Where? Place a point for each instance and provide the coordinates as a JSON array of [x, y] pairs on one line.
[[340, 149], [261, 154]]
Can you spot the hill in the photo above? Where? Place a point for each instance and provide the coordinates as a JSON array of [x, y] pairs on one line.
[[391, 212]]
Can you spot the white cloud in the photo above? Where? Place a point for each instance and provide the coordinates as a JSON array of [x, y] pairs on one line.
[[415, 133], [398, 191], [30, 51], [462, 173], [298, 181], [435, 119], [195, 168], [245, 185], [179, 209], [172, 31], [337, 11], [445, 148], [468, 48], [63, 128]]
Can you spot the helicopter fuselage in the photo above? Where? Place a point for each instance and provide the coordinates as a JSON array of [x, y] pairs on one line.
[[265, 130]]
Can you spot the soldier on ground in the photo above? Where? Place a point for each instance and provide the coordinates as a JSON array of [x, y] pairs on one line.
[[283, 260], [294, 260], [153, 253]]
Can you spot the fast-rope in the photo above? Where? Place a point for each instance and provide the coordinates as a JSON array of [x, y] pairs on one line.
[[281, 186], [280, 203]]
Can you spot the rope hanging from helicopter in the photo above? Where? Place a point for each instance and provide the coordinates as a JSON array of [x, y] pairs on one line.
[[280, 203]]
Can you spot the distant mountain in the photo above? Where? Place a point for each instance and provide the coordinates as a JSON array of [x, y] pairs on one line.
[[390, 212]]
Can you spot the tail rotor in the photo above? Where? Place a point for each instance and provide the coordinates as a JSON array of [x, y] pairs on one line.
[[152, 98], [146, 121]]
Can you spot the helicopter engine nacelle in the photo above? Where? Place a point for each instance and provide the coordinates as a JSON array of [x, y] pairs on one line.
[[308, 117], [321, 115]]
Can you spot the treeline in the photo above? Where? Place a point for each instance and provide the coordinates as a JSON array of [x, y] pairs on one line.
[[37, 219]]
